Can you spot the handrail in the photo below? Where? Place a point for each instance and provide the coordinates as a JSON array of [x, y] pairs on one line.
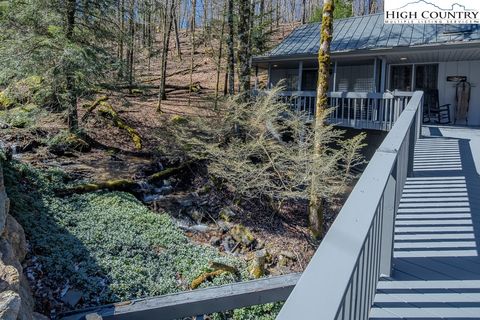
[[341, 279]]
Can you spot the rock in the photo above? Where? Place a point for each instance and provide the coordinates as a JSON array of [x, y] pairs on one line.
[[242, 235], [257, 267], [93, 316], [38, 316], [196, 215], [9, 278], [260, 244], [10, 303], [279, 270], [223, 226], [215, 241], [228, 244], [163, 190], [16, 236], [288, 254], [200, 228], [72, 297], [226, 214], [185, 202]]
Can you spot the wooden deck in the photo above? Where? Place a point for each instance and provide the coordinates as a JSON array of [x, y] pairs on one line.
[[437, 233]]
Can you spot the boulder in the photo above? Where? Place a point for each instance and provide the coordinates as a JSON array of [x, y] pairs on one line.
[[16, 237], [257, 266], [226, 214], [242, 235], [10, 303]]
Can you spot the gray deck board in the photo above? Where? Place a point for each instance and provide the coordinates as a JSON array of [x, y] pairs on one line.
[[437, 233]]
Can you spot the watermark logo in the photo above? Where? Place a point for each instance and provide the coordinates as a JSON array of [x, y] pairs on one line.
[[432, 11]]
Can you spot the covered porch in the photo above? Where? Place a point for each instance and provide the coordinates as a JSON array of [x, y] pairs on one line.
[[379, 84]]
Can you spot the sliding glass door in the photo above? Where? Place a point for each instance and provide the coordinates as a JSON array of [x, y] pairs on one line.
[[410, 77]]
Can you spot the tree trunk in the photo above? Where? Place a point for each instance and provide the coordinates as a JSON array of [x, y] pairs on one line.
[[121, 73], [219, 62], [177, 37], [304, 12], [69, 73], [194, 11], [231, 52], [316, 207], [131, 44], [166, 41], [244, 47]]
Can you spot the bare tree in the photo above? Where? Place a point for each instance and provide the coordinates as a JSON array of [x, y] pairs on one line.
[[167, 27], [192, 53], [219, 61]]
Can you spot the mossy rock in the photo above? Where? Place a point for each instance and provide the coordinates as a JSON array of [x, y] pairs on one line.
[[138, 92], [6, 102], [67, 142], [242, 235], [177, 119], [20, 117]]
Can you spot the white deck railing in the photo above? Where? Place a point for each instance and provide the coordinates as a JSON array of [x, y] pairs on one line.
[[359, 110], [340, 281]]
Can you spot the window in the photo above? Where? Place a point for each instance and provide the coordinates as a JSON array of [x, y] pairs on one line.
[[401, 77], [424, 75]]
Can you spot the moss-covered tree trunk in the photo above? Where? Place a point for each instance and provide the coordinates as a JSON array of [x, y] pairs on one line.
[[69, 73], [244, 46], [316, 208]]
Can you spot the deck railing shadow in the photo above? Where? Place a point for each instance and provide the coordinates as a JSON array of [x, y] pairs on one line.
[[437, 236]]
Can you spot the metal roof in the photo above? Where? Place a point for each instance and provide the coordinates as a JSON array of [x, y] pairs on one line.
[[370, 32]]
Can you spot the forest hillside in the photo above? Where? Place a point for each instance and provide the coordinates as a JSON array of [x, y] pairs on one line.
[[137, 161]]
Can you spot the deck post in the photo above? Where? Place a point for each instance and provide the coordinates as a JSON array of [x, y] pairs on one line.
[[388, 224], [383, 77], [299, 85], [334, 89], [269, 81], [300, 74]]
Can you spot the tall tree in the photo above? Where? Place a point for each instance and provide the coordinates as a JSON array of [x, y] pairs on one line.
[[69, 72], [167, 28], [219, 61], [131, 44], [244, 51], [192, 53], [316, 207], [231, 49]]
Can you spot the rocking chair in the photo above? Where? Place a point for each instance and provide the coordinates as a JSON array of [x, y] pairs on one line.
[[432, 110]]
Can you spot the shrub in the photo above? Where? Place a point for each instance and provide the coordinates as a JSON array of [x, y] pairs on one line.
[[20, 117], [264, 150]]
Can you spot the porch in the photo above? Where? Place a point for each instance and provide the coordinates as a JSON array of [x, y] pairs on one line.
[[359, 110]]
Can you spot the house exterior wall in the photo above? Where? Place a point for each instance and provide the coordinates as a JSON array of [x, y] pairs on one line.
[[470, 69]]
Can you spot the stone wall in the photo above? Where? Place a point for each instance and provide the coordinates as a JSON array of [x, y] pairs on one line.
[[16, 300]]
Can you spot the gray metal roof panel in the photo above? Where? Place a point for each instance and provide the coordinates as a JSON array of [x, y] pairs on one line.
[[369, 32]]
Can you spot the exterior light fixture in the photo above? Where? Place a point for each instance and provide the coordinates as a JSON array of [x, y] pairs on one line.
[[403, 58]]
